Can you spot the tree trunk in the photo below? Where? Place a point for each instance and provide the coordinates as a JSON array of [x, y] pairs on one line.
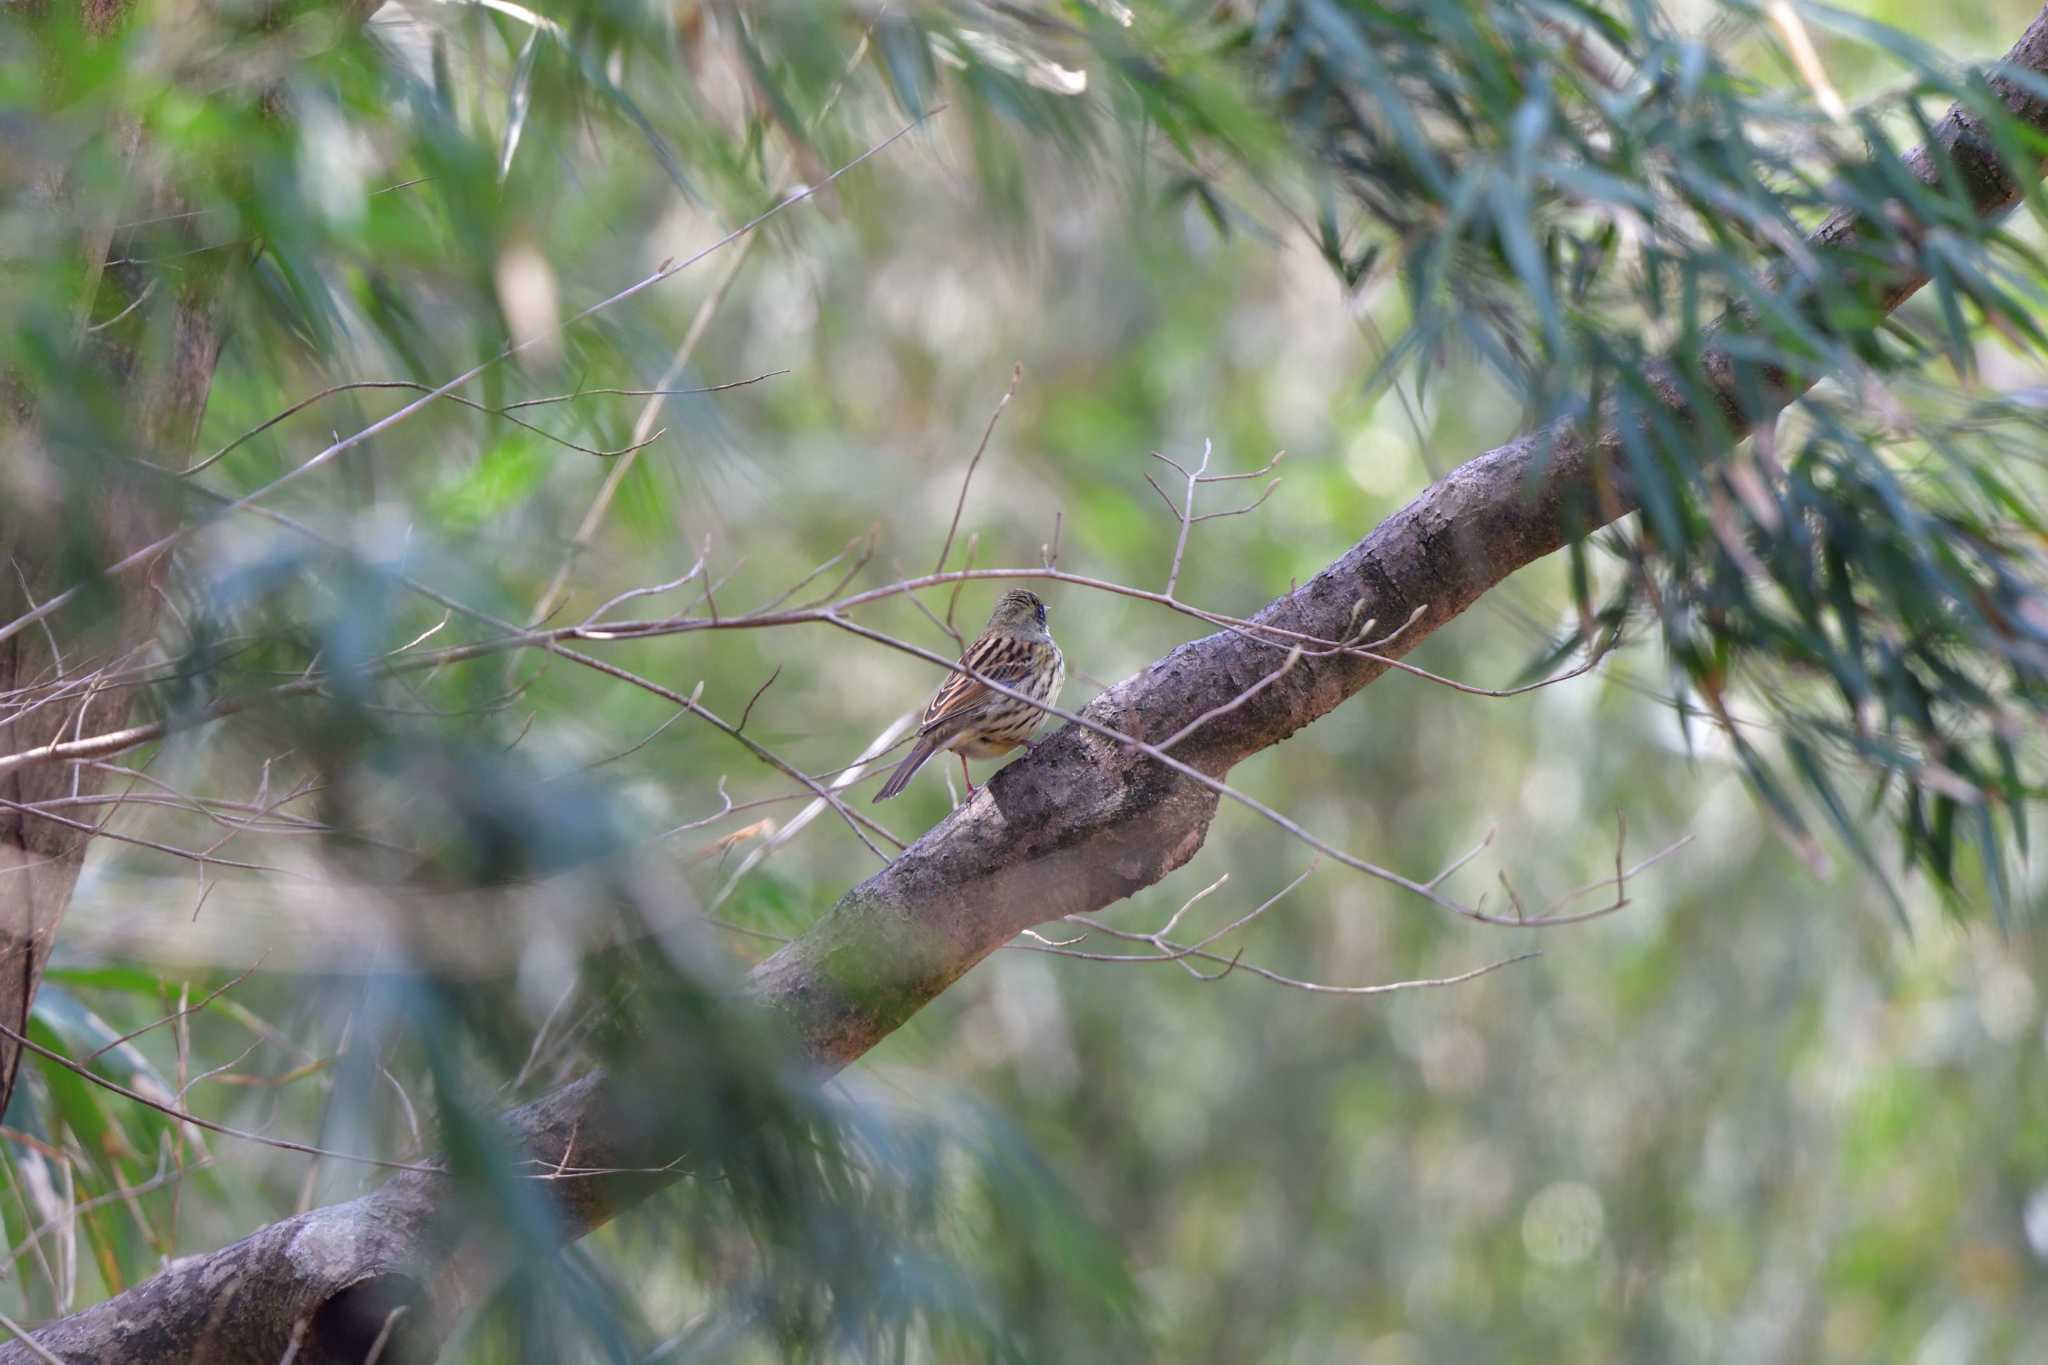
[[67, 507]]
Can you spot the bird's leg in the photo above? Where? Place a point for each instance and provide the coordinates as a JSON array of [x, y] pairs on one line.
[[965, 776]]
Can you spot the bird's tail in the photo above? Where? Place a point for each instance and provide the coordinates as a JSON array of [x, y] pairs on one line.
[[912, 761]]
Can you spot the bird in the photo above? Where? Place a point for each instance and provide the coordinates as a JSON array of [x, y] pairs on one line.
[[973, 719]]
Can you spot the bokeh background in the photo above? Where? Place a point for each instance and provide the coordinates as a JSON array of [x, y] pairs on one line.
[[1761, 1113]]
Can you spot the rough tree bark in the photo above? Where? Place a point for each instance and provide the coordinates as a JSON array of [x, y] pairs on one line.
[[1076, 825]]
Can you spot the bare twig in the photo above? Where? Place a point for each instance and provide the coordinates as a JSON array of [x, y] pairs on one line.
[[151, 551], [1293, 657], [220, 1071], [1277, 637], [593, 518], [1180, 544], [1165, 949], [749, 709], [699, 324], [171, 1111], [226, 706], [20, 1334], [711, 585], [853, 772], [163, 1177], [946, 626], [1016, 378], [656, 733], [858, 822], [384, 1335], [632, 594], [540, 1034], [1184, 510], [834, 616], [1426, 890], [414, 386], [793, 589], [953, 598], [180, 1013], [1168, 951], [99, 830], [643, 393]]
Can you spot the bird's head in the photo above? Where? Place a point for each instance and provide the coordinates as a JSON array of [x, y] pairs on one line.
[[1020, 612]]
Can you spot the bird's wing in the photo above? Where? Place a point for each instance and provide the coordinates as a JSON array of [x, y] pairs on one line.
[[1000, 658]]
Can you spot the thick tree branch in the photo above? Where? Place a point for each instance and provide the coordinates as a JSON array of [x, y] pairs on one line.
[[1078, 824]]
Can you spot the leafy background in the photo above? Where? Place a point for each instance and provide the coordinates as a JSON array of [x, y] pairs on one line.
[[1787, 1104]]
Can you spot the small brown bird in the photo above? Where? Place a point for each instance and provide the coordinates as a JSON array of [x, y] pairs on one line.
[[976, 721]]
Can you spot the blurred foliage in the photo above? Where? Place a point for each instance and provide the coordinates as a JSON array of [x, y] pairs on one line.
[[1602, 203], [1748, 1117]]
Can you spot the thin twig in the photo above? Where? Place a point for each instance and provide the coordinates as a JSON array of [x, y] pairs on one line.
[[1184, 511], [834, 616], [632, 594], [211, 996], [593, 517], [1180, 544], [586, 532], [1293, 658], [749, 709], [36, 1348], [1425, 890], [953, 599], [155, 1182], [852, 773], [643, 393], [414, 386], [1016, 378], [384, 1336], [811, 577], [283, 1144], [155, 548], [1263, 633]]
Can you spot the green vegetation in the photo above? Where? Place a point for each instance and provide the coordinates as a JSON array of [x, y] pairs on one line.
[[1787, 1103]]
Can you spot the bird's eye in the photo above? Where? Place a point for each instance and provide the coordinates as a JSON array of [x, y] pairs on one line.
[[1041, 613]]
